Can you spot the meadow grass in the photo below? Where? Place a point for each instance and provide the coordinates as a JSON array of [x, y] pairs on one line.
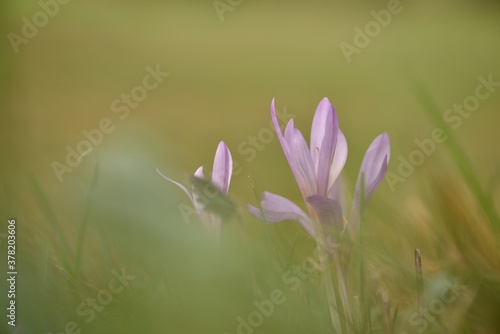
[[113, 214]]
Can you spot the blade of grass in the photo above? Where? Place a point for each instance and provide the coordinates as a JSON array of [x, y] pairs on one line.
[[395, 316], [418, 273], [84, 222], [70, 277], [66, 253], [292, 252], [386, 308]]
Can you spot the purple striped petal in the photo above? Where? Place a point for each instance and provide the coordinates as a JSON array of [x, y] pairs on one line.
[[277, 209], [327, 151], [284, 142], [339, 159], [277, 128], [374, 168], [337, 193], [297, 155], [304, 168], [374, 165], [318, 127], [288, 131], [329, 211], [223, 168]]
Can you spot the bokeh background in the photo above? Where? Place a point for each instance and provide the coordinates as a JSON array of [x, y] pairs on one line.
[[113, 211]]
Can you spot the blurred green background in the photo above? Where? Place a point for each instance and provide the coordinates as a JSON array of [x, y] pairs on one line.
[[223, 76]]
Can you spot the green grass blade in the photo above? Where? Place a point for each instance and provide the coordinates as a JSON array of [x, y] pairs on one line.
[[67, 253], [84, 222], [458, 154]]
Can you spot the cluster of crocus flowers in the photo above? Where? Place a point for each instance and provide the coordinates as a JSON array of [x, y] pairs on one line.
[[207, 201], [317, 169]]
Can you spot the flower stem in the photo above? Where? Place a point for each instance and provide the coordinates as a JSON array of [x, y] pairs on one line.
[[330, 291]]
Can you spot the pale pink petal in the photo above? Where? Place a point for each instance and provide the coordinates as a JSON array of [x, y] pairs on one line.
[[373, 169], [339, 159], [199, 202], [288, 131], [329, 211], [199, 173], [297, 155], [304, 169], [223, 168], [277, 208], [337, 193], [318, 127], [327, 151], [374, 166]]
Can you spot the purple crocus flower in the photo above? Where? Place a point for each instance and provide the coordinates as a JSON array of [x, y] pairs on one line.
[[221, 178], [317, 171]]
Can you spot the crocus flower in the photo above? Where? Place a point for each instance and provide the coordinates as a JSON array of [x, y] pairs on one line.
[[221, 178], [317, 171]]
